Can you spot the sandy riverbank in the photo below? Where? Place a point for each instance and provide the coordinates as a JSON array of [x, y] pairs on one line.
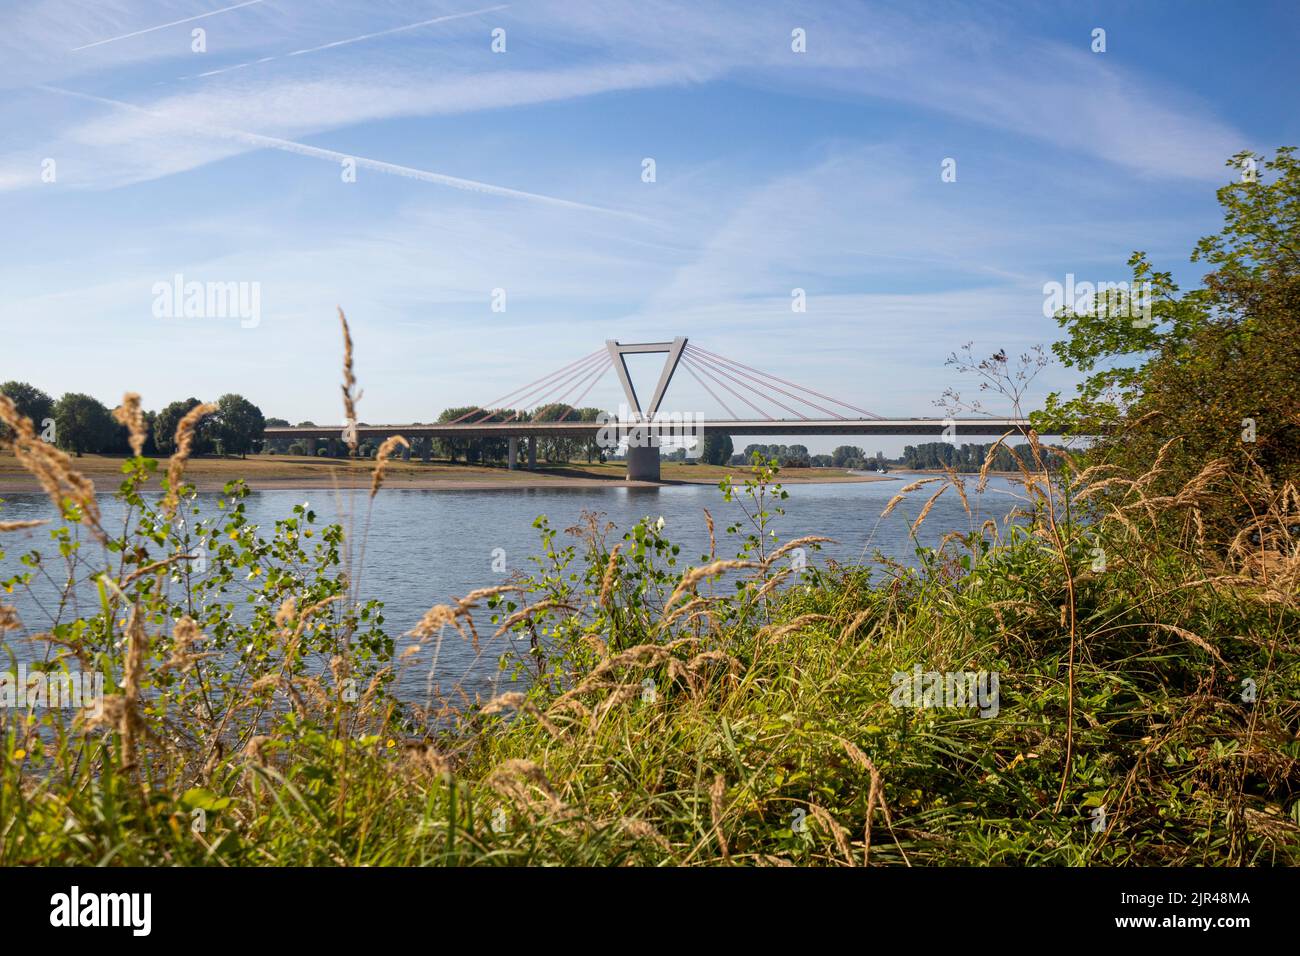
[[290, 473]]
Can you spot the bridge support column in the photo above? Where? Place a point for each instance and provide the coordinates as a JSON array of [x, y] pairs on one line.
[[643, 463], [532, 452], [512, 457], [426, 449], [406, 453]]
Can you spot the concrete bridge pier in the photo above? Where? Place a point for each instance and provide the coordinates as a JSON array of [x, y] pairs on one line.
[[532, 452], [643, 462], [426, 449], [513, 457]]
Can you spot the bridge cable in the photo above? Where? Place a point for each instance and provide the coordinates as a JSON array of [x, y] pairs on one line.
[[802, 388], [550, 384], [577, 401], [736, 366], [691, 363], [496, 403], [709, 390], [545, 394], [722, 371], [562, 389], [590, 381]]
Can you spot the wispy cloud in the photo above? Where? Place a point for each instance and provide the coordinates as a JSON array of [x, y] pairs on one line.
[[957, 65], [336, 44], [164, 26], [258, 140]]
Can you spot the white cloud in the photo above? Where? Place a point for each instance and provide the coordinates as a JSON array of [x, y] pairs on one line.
[[1044, 91]]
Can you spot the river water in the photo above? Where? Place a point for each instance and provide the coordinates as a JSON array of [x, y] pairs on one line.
[[427, 547]]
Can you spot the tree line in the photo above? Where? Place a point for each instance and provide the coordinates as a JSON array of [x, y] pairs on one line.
[[489, 450], [969, 458], [81, 424], [787, 456], [483, 451]]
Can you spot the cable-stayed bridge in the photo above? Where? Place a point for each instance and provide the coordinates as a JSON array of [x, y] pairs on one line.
[[780, 407]]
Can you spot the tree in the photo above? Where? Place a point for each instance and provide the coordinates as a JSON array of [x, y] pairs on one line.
[[794, 456], [165, 428], [476, 449], [453, 446], [718, 449], [276, 446], [847, 456], [1215, 376], [150, 448], [239, 424], [557, 449], [30, 401], [82, 424], [590, 445], [492, 448]]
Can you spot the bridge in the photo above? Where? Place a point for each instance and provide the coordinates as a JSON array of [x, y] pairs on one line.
[[642, 430]]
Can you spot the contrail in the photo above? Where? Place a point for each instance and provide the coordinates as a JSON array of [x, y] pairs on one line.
[[302, 149], [164, 26], [337, 43]]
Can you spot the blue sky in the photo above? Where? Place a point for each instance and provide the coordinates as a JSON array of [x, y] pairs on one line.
[[775, 170]]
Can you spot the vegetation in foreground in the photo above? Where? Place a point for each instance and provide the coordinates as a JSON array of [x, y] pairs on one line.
[[1141, 612]]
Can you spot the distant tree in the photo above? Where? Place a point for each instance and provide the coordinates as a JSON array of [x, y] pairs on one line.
[[239, 424], [165, 428], [150, 448], [968, 459], [30, 401], [489, 448], [451, 447], [589, 445], [795, 456], [83, 424], [847, 456], [718, 449], [557, 449], [276, 446], [822, 461]]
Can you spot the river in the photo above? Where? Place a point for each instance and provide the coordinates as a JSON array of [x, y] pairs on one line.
[[427, 547]]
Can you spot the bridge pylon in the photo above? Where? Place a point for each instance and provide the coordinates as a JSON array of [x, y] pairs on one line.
[[643, 459]]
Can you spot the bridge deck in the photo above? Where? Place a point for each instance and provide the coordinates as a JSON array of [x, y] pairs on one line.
[[963, 427]]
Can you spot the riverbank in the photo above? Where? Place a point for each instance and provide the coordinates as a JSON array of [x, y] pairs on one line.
[[291, 473]]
